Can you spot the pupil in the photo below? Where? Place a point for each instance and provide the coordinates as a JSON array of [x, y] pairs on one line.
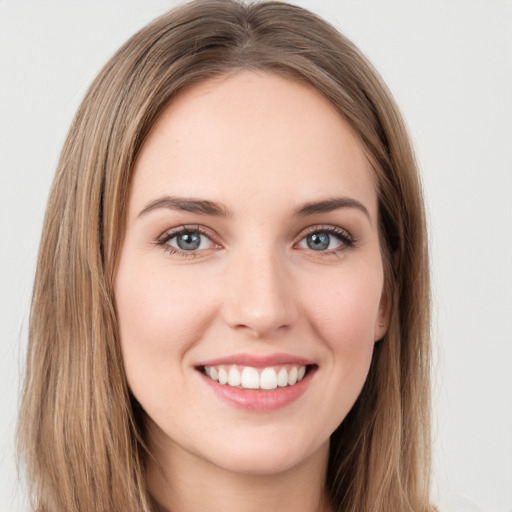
[[189, 241], [318, 241]]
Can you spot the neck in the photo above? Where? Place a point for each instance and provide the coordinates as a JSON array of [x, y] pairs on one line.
[[182, 482]]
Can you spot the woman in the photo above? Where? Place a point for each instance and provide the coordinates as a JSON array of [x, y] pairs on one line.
[[231, 307]]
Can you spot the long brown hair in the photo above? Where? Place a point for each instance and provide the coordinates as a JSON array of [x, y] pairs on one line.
[[80, 434]]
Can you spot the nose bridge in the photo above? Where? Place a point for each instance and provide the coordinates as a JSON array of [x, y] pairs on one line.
[[260, 297]]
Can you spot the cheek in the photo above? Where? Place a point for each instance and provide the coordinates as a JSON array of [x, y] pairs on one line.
[[160, 312], [343, 308], [160, 318], [344, 311]]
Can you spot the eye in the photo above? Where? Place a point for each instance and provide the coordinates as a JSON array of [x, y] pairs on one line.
[[326, 239], [186, 240], [190, 241]]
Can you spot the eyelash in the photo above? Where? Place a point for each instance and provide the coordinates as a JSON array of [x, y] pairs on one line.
[[163, 240], [346, 239]]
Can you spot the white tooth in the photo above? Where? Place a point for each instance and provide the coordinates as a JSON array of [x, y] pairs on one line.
[[223, 376], [301, 373], [250, 378], [268, 379], [214, 374], [292, 376], [282, 377], [234, 377]]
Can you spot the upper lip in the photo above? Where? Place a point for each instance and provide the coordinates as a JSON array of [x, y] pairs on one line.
[[257, 361]]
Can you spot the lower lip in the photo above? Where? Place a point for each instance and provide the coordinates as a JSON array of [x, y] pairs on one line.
[[260, 400]]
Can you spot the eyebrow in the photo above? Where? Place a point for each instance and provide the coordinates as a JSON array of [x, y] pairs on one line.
[[330, 205], [206, 207], [186, 204]]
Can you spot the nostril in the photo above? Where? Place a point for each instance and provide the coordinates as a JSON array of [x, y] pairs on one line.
[[260, 300], [261, 322]]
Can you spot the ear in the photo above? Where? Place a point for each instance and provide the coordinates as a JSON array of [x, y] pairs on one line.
[[384, 314], [382, 319]]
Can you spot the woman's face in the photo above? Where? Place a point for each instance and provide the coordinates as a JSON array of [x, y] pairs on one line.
[[249, 286]]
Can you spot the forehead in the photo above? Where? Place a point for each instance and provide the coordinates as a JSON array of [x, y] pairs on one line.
[[252, 134]]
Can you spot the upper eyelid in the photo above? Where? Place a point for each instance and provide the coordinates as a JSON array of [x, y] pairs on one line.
[[330, 228], [187, 228]]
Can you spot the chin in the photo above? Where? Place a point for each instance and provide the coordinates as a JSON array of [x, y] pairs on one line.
[[268, 455]]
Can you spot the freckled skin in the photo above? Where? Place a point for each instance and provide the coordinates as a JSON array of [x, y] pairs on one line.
[[263, 146]]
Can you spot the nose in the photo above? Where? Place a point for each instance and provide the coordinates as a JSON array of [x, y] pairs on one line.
[[259, 295]]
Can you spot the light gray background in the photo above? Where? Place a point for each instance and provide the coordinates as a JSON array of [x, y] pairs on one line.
[[449, 65]]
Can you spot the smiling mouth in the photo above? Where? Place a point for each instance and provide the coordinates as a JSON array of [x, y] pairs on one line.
[[248, 377]]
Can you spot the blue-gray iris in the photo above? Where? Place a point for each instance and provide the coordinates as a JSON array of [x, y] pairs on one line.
[[189, 241], [318, 241]]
